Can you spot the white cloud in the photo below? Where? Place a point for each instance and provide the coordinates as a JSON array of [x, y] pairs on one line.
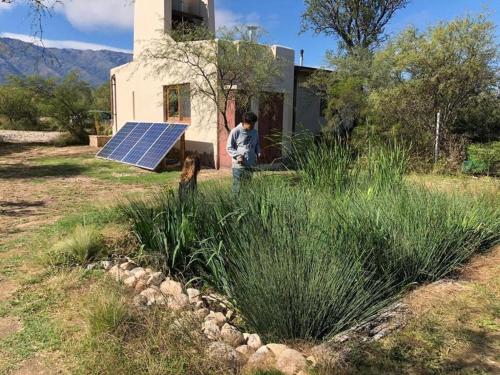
[[119, 14], [73, 44], [229, 19], [6, 6], [99, 14]]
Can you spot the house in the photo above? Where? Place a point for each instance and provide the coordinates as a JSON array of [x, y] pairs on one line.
[[139, 95]]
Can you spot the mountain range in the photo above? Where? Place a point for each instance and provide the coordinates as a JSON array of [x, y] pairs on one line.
[[20, 58]]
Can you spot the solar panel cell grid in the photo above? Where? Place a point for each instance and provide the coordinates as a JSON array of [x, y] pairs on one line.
[[144, 144], [161, 147], [129, 142], [116, 140]]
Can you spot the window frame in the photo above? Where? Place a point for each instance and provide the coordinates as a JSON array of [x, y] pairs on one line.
[[178, 88]]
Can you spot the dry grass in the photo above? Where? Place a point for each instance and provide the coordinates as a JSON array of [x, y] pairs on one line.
[[455, 329]]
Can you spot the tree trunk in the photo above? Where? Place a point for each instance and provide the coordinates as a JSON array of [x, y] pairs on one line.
[[438, 134]]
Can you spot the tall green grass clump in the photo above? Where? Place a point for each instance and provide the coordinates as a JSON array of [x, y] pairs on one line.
[[107, 311], [323, 164], [310, 254], [82, 246]]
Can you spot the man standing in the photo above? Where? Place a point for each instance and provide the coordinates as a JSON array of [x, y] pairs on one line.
[[244, 147]]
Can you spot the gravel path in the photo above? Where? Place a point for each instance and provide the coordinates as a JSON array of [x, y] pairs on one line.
[[16, 136]]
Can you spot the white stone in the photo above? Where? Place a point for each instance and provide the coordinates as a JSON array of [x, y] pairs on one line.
[[194, 295], [254, 341], [245, 350], [277, 349], [202, 313], [222, 352], [290, 362], [261, 358], [177, 302], [138, 272], [264, 350], [246, 335], [231, 335], [130, 281], [155, 279], [171, 287], [230, 315], [153, 296], [127, 266], [117, 273], [106, 265], [211, 330], [218, 318]]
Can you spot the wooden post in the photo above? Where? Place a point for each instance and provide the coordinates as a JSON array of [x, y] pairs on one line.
[[183, 149], [438, 130]]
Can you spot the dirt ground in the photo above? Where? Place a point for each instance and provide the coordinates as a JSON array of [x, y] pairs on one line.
[[27, 203], [33, 195]]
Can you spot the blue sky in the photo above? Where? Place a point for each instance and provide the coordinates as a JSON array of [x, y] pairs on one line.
[[96, 23]]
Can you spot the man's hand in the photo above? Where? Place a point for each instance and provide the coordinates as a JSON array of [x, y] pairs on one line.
[[240, 159]]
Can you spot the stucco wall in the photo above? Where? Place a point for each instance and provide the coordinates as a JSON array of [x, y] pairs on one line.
[[308, 111], [152, 19], [139, 97]]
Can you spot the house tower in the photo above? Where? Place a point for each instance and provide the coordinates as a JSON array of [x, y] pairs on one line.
[[153, 18]]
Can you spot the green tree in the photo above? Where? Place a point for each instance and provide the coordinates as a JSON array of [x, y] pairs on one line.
[[345, 89], [432, 76], [17, 105], [358, 23], [102, 98], [67, 100], [228, 67]]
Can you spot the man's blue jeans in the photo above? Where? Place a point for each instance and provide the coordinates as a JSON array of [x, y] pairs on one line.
[[241, 176]]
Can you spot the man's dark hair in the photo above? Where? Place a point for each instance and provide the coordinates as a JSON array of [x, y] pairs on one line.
[[250, 118]]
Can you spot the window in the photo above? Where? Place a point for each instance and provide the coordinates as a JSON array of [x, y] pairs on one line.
[[178, 104]]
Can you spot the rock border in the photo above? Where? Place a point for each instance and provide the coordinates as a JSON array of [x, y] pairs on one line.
[[239, 349]]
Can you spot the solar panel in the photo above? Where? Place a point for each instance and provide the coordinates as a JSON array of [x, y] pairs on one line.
[[144, 145], [108, 149], [129, 143], [157, 150]]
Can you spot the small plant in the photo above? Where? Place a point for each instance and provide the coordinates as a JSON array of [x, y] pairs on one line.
[[107, 311], [84, 245], [68, 139], [483, 159]]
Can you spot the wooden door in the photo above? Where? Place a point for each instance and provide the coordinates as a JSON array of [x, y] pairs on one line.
[[270, 126], [234, 116]]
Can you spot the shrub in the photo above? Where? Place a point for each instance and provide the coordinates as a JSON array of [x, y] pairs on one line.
[[107, 311], [70, 139], [483, 159], [322, 164], [165, 227], [310, 254], [82, 246]]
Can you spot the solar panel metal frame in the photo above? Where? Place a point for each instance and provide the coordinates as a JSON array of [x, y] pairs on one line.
[[163, 155]]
